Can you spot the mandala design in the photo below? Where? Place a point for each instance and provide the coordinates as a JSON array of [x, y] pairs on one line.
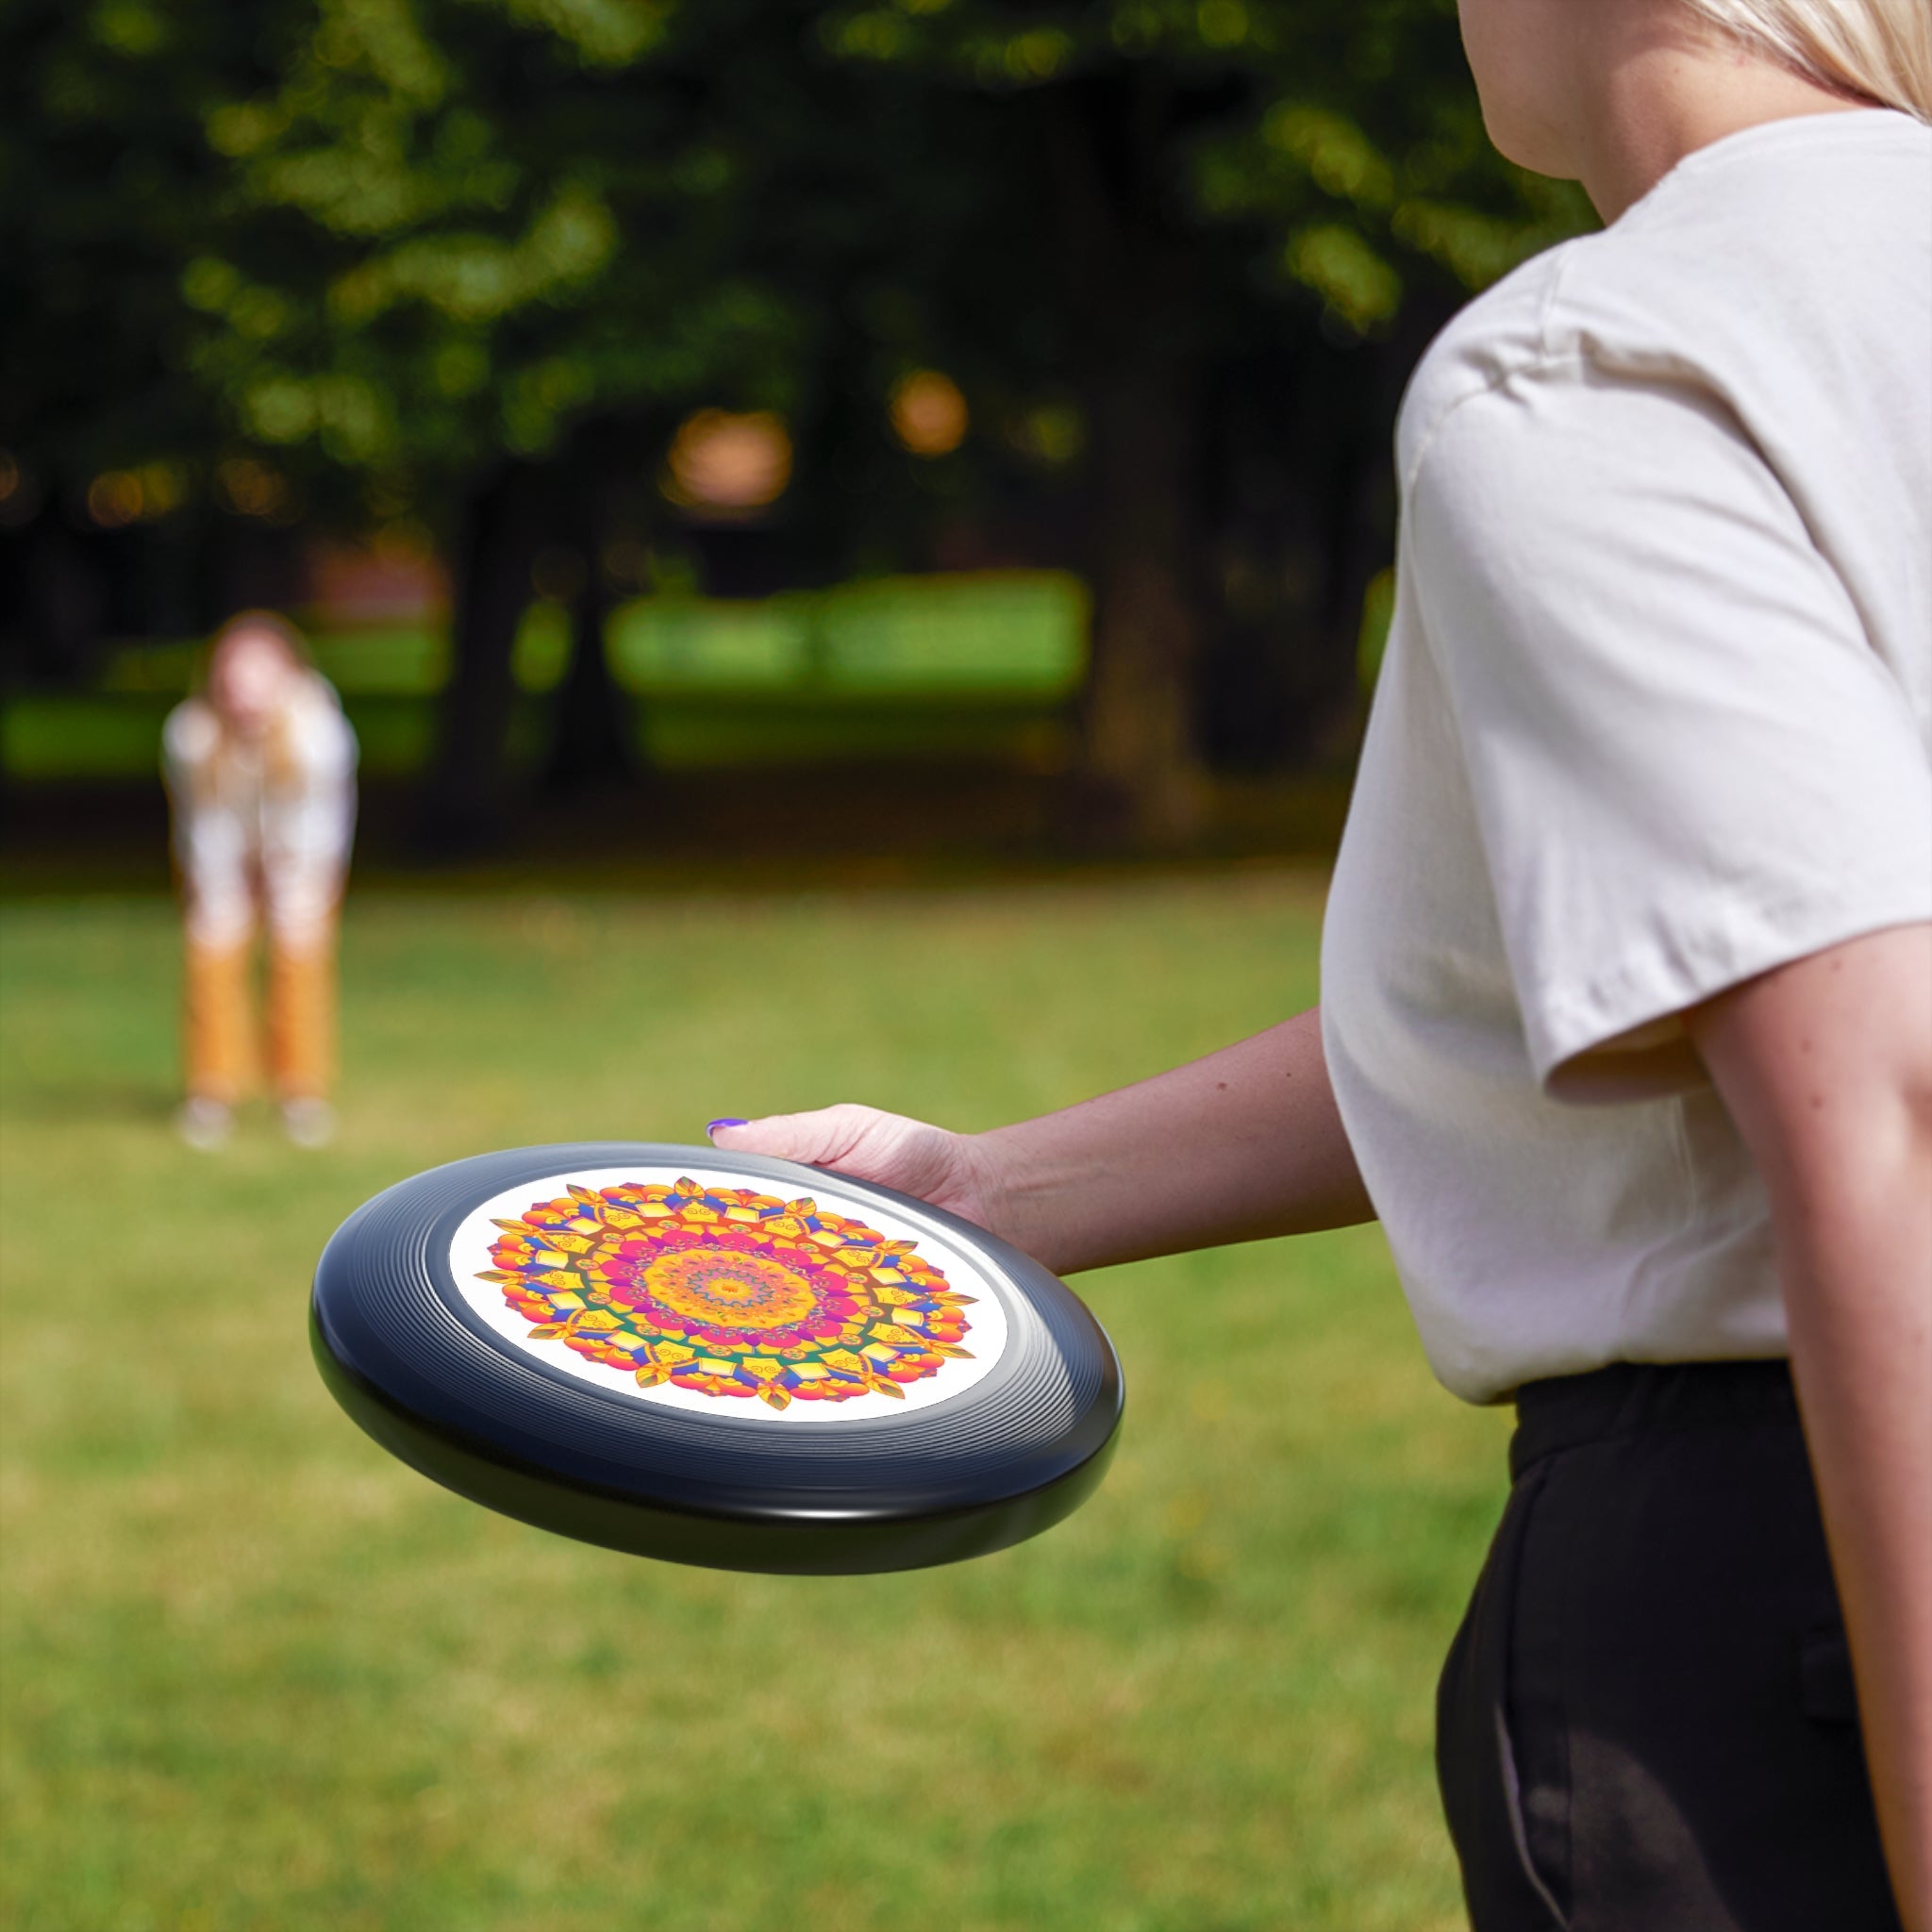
[[729, 1292]]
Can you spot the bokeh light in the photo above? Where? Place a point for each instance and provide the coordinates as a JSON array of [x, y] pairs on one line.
[[727, 464], [114, 499], [250, 488], [929, 415], [1050, 433]]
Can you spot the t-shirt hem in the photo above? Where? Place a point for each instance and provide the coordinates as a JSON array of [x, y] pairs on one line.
[[1700, 966], [1487, 1385]]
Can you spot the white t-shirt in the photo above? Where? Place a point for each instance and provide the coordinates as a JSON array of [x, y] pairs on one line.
[[249, 824], [1656, 716]]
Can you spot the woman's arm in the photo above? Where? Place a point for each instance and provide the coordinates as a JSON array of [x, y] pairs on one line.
[[1827, 1068], [1243, 1145]]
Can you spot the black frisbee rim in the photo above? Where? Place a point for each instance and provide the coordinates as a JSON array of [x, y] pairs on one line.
[[415, 1368]]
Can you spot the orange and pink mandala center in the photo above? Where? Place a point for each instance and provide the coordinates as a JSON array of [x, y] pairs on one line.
[[729, 1292]]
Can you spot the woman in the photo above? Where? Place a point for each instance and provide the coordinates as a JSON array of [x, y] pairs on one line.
[[1627, 1021], [260, 769]]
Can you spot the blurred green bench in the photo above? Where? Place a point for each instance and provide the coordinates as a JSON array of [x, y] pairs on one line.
[[976, 666]]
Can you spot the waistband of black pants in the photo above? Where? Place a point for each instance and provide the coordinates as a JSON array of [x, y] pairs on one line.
[[1637, 1398]]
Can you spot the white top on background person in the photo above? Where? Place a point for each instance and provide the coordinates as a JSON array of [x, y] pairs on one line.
[[263, 791], [1668, 731]]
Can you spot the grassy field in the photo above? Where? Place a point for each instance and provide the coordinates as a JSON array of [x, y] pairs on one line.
[[258, 1675]]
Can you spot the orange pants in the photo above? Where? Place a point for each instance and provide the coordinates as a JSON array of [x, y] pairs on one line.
[[223, 1049]]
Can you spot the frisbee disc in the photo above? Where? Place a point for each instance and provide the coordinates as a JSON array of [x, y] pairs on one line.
[[715, 1359]]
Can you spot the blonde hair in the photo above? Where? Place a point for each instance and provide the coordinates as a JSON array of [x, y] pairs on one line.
[[1879, 50]]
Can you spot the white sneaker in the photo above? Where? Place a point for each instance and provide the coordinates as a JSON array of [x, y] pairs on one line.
[[309, 1121], [204, 1124]]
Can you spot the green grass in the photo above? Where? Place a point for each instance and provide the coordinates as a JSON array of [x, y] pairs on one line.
[[258, 1675]]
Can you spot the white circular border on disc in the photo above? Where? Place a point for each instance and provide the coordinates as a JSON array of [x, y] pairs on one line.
[[986, 1320]]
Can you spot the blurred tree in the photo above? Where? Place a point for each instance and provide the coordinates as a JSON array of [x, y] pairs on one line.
[[469, 262], [106, 189], [528, 238], [1233, 194], [509, 230], [1099, 213]]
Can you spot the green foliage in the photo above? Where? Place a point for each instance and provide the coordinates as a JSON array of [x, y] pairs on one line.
[[396, 238], [498, 239], [1347, 133], [255, 1674], [106, 189]]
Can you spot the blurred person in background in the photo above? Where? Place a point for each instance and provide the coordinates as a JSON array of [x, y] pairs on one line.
[[1627, 1021], [261, 768]]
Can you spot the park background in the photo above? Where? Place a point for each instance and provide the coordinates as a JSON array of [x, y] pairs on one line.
[[856, 540]]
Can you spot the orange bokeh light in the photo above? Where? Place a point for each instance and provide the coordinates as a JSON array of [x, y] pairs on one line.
[[115, 499], [729, 464], [251, 488], [929, 415]]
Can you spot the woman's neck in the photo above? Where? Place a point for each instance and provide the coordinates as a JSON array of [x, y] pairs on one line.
[[1656, 97]]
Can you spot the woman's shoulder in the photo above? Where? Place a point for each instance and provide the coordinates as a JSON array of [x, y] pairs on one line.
[[1498, 335], [315, 696], [319, 734], [191, 734], [1755, 266]]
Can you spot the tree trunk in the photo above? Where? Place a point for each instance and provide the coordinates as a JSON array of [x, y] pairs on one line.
[[63, 600], [1358, 484], [1133, 306], [591, 743], [1139, 738], [467, 800]]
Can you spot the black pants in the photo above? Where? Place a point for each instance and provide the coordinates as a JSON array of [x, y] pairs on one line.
[[1646, 1721]]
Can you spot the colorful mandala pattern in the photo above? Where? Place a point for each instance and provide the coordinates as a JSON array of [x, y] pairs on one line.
[[729, 1292]]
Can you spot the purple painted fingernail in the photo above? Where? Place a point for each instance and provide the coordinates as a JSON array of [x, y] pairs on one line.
[[714, 1126]]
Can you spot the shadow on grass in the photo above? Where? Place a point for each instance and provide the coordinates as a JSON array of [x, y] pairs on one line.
[[784, 828]]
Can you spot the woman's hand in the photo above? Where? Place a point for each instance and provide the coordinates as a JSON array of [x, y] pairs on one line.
[[949, 1170], [1237, 1147]]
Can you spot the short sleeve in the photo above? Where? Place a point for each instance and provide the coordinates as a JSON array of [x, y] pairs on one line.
[[1689, 763]]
